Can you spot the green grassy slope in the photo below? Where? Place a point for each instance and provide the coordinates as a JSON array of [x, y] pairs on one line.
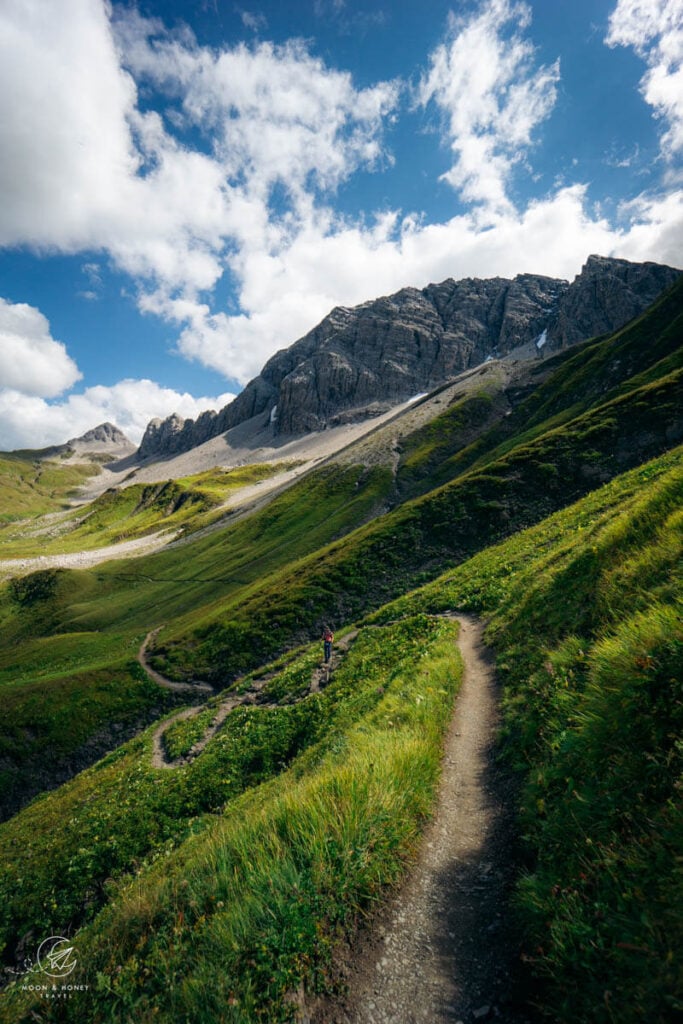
[[31, 486], [426, 454], [587, 620], [264, 873], [62, 630], [225, 883], [184, 505], [447, 525]]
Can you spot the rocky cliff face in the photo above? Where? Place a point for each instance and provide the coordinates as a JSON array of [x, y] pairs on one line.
[[358, 361], [105, 440], [606, 295], [103, 435]]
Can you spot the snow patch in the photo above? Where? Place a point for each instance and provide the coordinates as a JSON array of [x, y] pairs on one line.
[[541, 339]]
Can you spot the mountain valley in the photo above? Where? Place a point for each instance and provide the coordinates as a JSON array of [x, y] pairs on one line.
[[424, 460]]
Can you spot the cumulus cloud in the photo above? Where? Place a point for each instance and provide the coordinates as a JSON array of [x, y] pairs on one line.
[[274, 114], [30, 421], [67, 148], [35, 368], [30, 359], [332, 264], [655, 31], [484, 82], [236, 167]]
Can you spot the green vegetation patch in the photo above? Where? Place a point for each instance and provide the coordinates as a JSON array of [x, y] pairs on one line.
[[50, 728], [424, 452], [63, 852], [31, 486], [127, 513], [65, 623], [180, 736], [588, 625]]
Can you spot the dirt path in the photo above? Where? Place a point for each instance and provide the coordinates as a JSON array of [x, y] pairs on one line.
[[157, 677], [439, 952], [320, 677], [87, 559]]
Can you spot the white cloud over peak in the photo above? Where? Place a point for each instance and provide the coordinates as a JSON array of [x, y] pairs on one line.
[[336, 264], [34, 367], [484, 82], [28, 421], [235, 170], [654, 28], [31, 360]]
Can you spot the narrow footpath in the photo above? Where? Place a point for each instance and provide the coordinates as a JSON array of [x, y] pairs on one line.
[[160, 680], [440, 953], [320, 678]]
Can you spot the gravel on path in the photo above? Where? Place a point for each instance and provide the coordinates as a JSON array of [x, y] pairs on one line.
[[441, 951]]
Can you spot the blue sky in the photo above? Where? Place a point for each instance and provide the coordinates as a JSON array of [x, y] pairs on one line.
[[189, 185]]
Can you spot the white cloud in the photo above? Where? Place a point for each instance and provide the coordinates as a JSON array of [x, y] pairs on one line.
[[30, 359], [286, 292], [484, 82], [34, 367], [29, 421], [254, 22], [89, 171], [275, 132], [64, 101], [654, 28], [274, 114]]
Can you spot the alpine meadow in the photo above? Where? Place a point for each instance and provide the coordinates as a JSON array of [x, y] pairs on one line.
[[211, 820]]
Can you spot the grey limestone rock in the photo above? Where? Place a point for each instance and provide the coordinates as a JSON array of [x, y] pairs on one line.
[[359, 361], [105, 433]]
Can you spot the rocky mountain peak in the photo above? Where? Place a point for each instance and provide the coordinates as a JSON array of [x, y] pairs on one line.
[[361, 360], [104, 433]]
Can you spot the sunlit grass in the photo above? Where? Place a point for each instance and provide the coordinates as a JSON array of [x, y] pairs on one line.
[[255, 897]]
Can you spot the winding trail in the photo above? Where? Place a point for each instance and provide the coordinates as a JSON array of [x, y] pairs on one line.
[[320, 677], [440, 952], [157, 677]]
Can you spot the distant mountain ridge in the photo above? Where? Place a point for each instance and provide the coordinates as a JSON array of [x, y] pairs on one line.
[[105, 439], [103, 434], [359, 361]]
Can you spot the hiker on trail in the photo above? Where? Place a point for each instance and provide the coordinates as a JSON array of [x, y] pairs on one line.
[[328, 638]]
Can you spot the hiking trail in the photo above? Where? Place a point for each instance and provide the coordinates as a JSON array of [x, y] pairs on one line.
[[320, 677], [439, 952], [157, 677]]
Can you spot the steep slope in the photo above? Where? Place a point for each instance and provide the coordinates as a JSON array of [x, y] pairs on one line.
[[519, 482], [71, 685], [357, 361], [246, 866], [545, 395], [585, 614], [226, 601]]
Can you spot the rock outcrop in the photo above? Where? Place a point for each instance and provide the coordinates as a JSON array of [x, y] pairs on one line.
[[103, 436], [606, 295], [362, 360]]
